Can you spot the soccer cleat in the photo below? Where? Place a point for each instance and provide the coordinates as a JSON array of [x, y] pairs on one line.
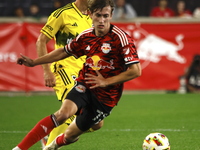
[[16, 148], [52, 146], [44, 141]]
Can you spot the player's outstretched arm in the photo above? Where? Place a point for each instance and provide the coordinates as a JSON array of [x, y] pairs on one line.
[[53, 56]]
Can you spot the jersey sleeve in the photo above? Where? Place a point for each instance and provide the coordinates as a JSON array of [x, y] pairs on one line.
[[53, 24], [129, 53], [75, 48]]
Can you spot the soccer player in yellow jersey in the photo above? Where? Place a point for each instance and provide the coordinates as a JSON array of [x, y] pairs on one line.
[[63, 25]]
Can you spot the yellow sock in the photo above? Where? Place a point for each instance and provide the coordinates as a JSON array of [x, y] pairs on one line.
[[56, 131], [61, 129]]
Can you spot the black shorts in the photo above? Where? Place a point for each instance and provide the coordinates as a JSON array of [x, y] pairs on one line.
[[90, 110]]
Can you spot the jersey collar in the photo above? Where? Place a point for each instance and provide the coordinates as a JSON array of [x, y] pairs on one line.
[[78, 11]]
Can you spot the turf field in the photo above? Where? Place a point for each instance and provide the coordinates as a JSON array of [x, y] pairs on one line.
[[175, 115]]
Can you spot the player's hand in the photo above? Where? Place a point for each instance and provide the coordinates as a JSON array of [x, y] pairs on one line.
[[49, 79], [26, 61], [96, 81]]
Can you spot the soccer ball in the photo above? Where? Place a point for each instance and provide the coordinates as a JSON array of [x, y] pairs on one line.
[[156, 141]]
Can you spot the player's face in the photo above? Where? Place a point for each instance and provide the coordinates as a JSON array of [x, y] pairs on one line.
[[163, 3], [101, 20]]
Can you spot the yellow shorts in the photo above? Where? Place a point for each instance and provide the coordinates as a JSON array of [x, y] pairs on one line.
[[65, 78]]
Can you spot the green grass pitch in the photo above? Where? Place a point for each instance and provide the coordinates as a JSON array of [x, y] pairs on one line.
[[175, 115]]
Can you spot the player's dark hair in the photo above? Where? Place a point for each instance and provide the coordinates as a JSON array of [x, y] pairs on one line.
[[95, 5]]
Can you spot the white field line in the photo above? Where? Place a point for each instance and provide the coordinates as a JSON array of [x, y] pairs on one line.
[[126, 130]]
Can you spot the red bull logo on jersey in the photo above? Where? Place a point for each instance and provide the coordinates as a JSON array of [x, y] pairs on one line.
[[106, 48], [96, 63]]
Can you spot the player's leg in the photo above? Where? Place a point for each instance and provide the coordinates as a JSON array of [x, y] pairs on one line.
[[71, 135], [73, 132], [40, 130], [58, 130], [91, 110], [62, 128], [45, 126], [55, 132], [65, 80]]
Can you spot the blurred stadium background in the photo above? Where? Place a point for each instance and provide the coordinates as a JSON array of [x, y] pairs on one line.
[[142, 7], [166, 46]]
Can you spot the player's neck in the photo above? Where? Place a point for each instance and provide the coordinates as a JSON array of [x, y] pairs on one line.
[[81, 6]]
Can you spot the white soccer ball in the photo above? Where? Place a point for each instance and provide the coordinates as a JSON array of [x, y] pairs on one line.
[[156, 141]]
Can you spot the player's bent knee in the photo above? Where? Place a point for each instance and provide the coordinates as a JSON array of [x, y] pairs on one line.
[[98, 126], [61, 117]]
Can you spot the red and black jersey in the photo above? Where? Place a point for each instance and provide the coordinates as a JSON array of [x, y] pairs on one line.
[[109, 54]]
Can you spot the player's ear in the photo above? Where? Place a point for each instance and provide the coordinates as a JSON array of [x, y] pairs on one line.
[[89, 13]]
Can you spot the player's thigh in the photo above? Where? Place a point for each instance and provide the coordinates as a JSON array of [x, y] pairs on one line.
[[72, 132], [67, 109]]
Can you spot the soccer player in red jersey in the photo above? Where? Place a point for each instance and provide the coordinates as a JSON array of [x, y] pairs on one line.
[[111, 60]]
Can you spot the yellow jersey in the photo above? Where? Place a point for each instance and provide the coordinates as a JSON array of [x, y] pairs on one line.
[[64, 24]]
